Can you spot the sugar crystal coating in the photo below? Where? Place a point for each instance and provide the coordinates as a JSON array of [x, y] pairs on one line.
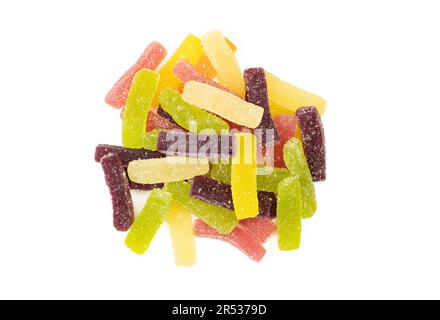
[[239, 237], [261, 228], [117, 182], [155, 121], [161, 112], [256, 93], [313, 141], [125, 154], [221, 219], [148, 221], [286, 125], [150, 59]]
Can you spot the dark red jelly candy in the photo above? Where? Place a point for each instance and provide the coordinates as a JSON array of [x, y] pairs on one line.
[[125, 154]]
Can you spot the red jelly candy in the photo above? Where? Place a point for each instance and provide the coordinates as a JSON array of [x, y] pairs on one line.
[[261, 228], [286, 127], [156, 121]]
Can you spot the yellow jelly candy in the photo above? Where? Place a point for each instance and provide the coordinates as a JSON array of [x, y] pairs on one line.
[[244, 177], [286, 98], [169, 169], [191, 50], [182, 235], [222, 103], [134, 120], [224, 62]]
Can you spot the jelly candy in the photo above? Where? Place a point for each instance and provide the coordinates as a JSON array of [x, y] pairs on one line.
[[244, 177], [150, 59], [289, 214], [224, 62], [221, 219], [149, 221], [144, 187], [212, 146], [297, 165], [125, 154], [182, 235], [117, 182], [262, 229], [166, 169], [185, 72], [161, 112], [286, 125], [134, 121], [239, 237], [151, 140], [269, 182], [223, 103], [205, 67], [191, 50], [290, 97], [256, 93], [313, 141], [220, 194], [221, 172], [155, 121], [188, 116]]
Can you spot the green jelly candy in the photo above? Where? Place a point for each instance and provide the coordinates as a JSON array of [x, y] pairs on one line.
[[221, 219], [221, 172], [134, 119], [151, 140], [289, 214], [297, 164], [149, 220], [188, 116]]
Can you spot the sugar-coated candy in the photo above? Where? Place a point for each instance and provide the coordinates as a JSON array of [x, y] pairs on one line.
[[191, 50], [297, 165], [286, 125], [134, 120], [166, 115], [224, 61], [239, 237], [244, 176], [313, 140], [290, 97], [261, 228], [221, 219], [150, 59], [185, 72], [166, 169], [222, 103], [155, 121], [269, 182], [182, 235], [151, 140], [256, 93], [212, 146], [289, 214], [144, 187], [205, 67], [148, 221], [221, 172], [188, 116], [220, 194], [125, 154], [117, 182]]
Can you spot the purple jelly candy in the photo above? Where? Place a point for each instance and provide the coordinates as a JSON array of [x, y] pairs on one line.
[[256, 93], [125, 154], [141, 186], [166, 115], [313, 141], [211, 146], [220, 194], [117, 182]]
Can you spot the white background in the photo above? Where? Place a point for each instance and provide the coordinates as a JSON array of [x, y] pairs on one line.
[[377, 231]]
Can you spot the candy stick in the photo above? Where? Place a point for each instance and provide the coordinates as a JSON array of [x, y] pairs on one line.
[[286, 125], [151, 140], [182, 235], [155, 121], [150, 59], [166, 169], [191, 50], [161, 112], [290, 97], [221, 219], [221, 172], [222, 103], [188, 116], [239, 237], [256, 93], [224, 62], [289, 214], [262, 229], [134, 121], [244, 177], [313, 141], [149, 221], [125, 154], [117, 182]]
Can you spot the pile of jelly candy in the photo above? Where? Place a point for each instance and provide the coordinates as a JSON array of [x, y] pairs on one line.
[[226, 155]]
